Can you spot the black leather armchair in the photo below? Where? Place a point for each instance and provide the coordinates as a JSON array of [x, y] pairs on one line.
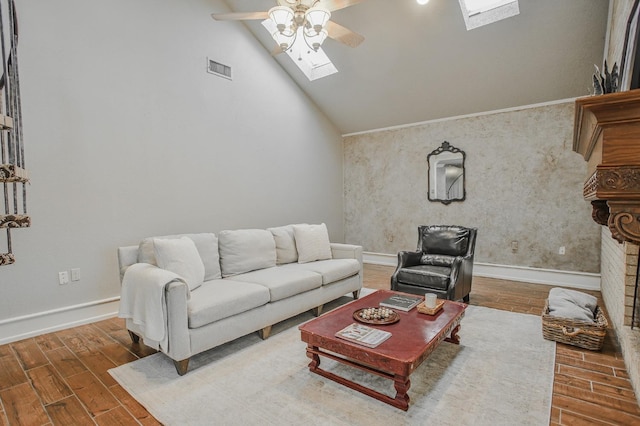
[[442, 263]]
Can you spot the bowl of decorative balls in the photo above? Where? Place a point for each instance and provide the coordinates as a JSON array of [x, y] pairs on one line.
[[377, 315]]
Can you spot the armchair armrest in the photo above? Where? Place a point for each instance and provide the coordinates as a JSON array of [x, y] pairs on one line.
[[409, 258], [405, 259]]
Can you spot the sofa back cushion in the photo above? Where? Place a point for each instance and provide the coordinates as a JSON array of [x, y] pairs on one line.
[[286, 251], [206, 244], [312, 242], [245, 250], [180, 256]]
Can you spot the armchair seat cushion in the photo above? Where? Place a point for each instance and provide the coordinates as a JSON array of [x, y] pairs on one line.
[[427, 276]]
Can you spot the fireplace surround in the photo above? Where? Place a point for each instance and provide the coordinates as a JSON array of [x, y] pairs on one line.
[[607, 135]]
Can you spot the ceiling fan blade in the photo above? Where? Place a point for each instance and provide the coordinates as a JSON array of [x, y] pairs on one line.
[[344, 35], [332, 5], [241, 16]]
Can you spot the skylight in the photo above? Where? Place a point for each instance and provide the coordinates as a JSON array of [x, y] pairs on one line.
[[313, 64], [477, 13]]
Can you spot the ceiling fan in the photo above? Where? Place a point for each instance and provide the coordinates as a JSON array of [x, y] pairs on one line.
[[306, 19]]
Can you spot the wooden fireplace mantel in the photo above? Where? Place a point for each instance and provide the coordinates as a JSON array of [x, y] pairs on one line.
[[607, 134]]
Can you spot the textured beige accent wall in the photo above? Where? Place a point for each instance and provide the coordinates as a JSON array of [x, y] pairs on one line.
[[524, 183]]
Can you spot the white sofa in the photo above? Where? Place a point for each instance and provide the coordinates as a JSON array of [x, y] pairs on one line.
[[184, 301]]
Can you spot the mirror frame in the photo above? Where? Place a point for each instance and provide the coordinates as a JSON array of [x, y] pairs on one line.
[[446, 147]]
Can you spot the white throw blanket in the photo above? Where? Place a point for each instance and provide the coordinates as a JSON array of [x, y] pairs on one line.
[[142, 300], [572, 304]]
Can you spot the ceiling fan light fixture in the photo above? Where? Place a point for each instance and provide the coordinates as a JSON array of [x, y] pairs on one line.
[[317, 18], [282, 16], [315, 40], [284, 39]]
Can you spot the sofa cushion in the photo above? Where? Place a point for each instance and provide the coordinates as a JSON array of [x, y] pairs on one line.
[[286, 251], [206, 243], [246, 250], [218, 299], [181, 257], [331, 270], [312, 242], [282, 282]]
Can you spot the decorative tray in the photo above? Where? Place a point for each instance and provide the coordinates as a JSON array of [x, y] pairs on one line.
[[431, 311], [377, 315]]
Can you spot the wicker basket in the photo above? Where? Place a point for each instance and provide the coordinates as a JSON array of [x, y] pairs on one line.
[[585, 334]]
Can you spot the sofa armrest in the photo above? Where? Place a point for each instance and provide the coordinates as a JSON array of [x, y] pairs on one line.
[[127, 256], [176, 295], [346, 251], [349, 251], [166, 297]]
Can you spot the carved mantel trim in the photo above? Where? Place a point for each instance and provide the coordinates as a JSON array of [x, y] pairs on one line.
[[624, 220], [607, 134], [613, 182]]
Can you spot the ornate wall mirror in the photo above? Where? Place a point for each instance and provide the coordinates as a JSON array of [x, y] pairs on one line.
[[446, 174]]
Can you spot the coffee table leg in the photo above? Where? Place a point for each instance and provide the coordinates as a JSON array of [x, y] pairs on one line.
[[402, 385], [454, 338], [315, 359]]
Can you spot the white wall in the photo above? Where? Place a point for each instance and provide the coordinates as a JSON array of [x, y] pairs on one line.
[[128, 136]]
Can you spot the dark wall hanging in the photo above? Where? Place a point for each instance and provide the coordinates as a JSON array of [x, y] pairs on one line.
[[13, 174]]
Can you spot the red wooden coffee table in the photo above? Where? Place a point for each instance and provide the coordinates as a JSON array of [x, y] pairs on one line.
[[413, 339]]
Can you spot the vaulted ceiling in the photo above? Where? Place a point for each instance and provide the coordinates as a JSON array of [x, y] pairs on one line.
[[419, 63]]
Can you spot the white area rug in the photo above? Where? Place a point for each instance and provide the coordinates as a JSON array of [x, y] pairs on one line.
[[500, 374]]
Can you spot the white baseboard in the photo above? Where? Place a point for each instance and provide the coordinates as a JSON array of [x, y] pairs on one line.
[[580, 280], [18, 328]]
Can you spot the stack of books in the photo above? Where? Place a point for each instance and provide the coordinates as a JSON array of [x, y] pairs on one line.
[[363, 335], [402, 302]]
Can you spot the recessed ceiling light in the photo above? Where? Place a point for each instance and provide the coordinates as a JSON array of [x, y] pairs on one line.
[[423, 1]]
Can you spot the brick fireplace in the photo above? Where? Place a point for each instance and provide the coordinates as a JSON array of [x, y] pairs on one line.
[[618, 270]]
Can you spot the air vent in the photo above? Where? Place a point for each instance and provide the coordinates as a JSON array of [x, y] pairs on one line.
[[219, 69]]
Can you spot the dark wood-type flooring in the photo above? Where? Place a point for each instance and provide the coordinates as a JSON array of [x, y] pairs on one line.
[[62, 378]]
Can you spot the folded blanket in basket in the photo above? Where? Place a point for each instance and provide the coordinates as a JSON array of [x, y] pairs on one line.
[[572, 304]]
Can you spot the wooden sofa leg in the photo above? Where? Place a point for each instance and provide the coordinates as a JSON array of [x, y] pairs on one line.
[[134, 337], [356, 294], [317, 311], [182, 366], [265, 332]]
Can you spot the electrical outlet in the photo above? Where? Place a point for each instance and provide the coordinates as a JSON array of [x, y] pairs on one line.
[[561, 250], [63, 277], [75, 274]]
